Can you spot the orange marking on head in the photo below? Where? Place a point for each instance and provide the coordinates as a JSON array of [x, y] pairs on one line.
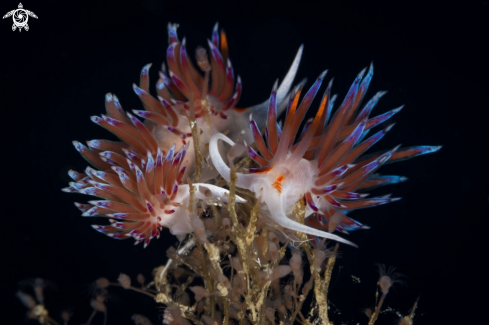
[[278, 183]]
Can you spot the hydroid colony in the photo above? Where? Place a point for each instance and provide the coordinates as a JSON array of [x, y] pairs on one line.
[[237, 188]]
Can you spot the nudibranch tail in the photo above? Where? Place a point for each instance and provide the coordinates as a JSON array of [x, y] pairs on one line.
[[259, 111], [278, 215]]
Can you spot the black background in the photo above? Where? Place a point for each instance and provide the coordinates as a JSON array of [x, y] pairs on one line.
[[431, 56]]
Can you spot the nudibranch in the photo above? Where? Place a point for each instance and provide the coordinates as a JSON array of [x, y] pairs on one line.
[[215, 95], [325, 167], [140, 194]]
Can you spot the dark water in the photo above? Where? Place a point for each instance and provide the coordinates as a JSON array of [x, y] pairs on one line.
[[432, 58]]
